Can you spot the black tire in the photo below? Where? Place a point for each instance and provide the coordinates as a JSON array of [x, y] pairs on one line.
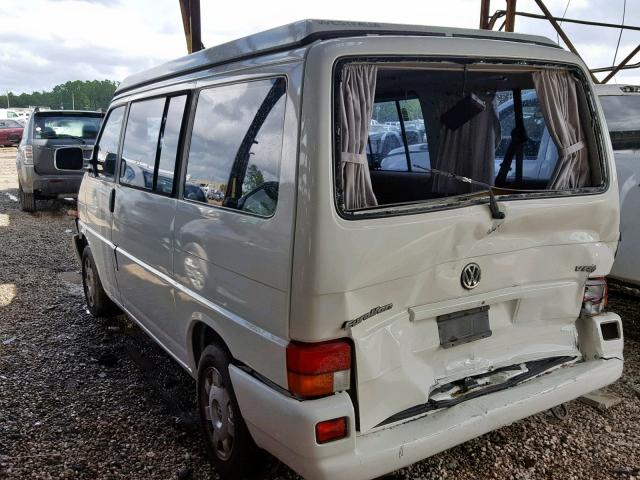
[[27, 200], [242, 459], [98, 303]]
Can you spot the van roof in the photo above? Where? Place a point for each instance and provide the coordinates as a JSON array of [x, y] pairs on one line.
[[301, 33]]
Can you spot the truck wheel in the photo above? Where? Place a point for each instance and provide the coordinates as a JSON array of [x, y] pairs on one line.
[[98, 303], [233, 452], [27, 200]]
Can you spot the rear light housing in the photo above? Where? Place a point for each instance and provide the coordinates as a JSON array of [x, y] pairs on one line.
[[318, 369], [27, 154], [331, 430], [596, 295]]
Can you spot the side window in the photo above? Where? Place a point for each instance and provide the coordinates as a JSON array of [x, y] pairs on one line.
[[236, 146], [169, 144], [107, 147], [141, 142], [395, 122], [533, 122]]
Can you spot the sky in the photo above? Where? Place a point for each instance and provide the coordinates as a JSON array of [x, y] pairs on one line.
[[47, 42]]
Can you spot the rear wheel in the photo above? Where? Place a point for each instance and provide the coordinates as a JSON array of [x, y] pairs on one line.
[[27, 200], [231, 448], [98, 303]]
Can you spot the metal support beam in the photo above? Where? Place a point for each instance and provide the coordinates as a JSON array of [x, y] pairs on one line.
[[510, 20], [561, 33], [190, 10], [621, 65], [501, 13], [485, 8]]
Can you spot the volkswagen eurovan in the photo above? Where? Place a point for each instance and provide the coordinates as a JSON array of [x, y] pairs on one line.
[[348, 313]]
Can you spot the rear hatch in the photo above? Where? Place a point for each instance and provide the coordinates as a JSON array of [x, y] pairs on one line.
[[448, 302], [52, 130]]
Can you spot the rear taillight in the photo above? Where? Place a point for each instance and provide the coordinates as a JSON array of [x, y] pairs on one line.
[[317, 369], [595, 296], [331, 430], [27, 154]]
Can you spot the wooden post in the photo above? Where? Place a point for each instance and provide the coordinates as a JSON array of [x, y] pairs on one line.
[[621, 64]]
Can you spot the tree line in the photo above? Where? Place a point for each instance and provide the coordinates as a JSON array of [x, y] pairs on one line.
[[83, 95]]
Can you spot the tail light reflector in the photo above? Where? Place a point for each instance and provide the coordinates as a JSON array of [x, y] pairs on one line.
[[27, 154], [318, 369], [331, 430], [596, 295]]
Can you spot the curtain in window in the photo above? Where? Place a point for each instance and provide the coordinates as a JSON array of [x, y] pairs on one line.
[[469, 150], [357, 91], [559, 104]]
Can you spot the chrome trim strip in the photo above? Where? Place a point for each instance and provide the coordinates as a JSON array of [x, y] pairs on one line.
[[84, 228]]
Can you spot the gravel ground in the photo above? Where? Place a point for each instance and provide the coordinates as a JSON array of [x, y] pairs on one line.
[[88, 399]]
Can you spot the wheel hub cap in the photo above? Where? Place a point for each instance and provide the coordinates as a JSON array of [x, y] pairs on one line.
[[219, 414]]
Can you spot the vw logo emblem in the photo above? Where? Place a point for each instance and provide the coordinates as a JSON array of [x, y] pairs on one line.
[[470, 277]]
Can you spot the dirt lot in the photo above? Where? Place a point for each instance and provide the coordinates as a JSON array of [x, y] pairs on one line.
[[83, 398]]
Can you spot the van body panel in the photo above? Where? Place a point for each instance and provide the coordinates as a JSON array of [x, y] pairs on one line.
[[143, 234], [241, 263], [533, 262], [627, 159], [627, 264]]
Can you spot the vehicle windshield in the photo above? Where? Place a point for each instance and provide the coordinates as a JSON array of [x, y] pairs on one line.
[[623, 120], [66, 126], [439, 135]]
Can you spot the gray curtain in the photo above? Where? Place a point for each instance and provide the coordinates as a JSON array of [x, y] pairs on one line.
[[468, 151], [559, 104], [357, 91]]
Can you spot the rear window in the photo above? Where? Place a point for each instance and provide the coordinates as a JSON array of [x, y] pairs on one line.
[[623, 120], [66, 126], [438, 137]]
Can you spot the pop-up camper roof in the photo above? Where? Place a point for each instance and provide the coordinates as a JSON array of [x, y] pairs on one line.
[[302, 33]]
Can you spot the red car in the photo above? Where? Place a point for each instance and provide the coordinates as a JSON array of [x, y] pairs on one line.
[[10, 133]]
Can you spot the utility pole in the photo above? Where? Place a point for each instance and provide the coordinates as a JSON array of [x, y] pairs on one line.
[[73, 101], [8, 104]]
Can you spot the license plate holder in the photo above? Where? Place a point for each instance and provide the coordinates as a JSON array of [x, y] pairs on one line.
[[464, 326]]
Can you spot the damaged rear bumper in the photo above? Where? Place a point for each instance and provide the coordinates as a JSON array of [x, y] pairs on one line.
[[284, 426]]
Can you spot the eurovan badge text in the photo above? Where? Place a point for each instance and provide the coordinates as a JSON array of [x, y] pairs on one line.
[[369, 314]]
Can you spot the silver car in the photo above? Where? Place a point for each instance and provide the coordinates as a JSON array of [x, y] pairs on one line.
[[47, 131]]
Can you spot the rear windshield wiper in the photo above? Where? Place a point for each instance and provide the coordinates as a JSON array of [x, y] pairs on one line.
[[66, 135], [496, 213]]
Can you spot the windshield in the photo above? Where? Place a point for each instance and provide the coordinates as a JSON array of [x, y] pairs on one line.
[[623, 120], [67, 126]]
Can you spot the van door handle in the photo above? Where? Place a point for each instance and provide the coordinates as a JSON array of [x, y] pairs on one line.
[[112, 200]]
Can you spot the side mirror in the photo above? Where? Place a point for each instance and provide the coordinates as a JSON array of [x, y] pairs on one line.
[[69, 159]]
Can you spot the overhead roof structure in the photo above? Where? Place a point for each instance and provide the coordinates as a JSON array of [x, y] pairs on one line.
[[301, 33]]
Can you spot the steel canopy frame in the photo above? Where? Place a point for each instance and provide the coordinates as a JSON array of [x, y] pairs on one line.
[[487, 22], [190, 10]]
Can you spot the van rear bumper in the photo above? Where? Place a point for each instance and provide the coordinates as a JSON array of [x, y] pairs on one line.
[[286, 427]]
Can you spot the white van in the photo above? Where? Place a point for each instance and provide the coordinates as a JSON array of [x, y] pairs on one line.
[[621, 105], [347, 318]]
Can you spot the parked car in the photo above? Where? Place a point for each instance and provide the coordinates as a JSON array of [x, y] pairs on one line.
[[10, 133], [350, 320], [46, 131], [621, 105]]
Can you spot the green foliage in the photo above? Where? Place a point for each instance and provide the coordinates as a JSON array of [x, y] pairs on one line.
[[88, 95], [254, 179], [388, 112]]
